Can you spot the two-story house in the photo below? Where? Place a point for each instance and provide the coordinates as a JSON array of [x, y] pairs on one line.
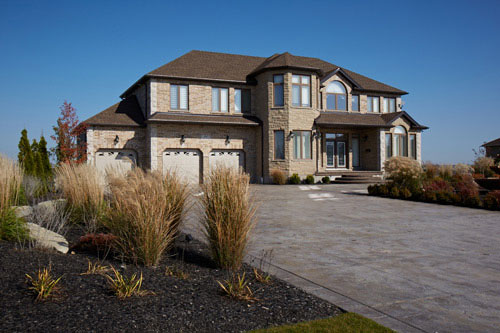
[[298, 114]]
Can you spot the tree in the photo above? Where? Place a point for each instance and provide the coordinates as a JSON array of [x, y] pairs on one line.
[[66, 132], [37, 160], [25, 155], [44, 157]]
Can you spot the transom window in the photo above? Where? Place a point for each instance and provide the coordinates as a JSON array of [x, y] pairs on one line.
[[400, 145], [389, 105], [220, 99], [373, 104], [241, 100], [278, 90], [336, 96], [301, 90], [355, 102], [301, 144], [178, 97]]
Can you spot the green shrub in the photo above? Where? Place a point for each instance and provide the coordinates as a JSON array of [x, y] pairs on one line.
[[405, 193], [309, 179], [383, 190], [278, 177], [326, 180], [373, 189], [394, 193], [472, 201], [228, 216], [294, 179], [429, 196], [12, 227]]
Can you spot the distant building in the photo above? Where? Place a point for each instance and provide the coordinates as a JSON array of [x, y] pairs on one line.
[[492, 148]]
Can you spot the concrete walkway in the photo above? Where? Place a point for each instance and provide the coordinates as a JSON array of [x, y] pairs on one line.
[[413, 267]]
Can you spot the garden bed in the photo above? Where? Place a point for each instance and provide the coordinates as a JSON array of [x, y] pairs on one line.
[[195, 304]]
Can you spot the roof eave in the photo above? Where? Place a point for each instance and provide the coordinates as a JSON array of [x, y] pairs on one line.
[[314, 69], [186, 121]]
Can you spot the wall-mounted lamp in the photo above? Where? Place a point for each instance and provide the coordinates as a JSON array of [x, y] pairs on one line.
[[291, 135], [183, 139], [228, 140], [116, 140], [316, 135]]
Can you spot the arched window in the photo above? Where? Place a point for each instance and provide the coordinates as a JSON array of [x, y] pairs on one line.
[[400, 138], [336, 96]]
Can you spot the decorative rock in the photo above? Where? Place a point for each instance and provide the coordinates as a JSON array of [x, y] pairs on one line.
[[47, 238], [23, 211], [50, 204]]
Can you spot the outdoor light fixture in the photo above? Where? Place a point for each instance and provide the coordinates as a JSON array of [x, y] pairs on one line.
[[117, 139], [182, 139], [316, 135], [228, 140], [291, 135]]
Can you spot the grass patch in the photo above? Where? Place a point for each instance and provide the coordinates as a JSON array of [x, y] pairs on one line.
[[43, 284], [123, 286], [344, 323]]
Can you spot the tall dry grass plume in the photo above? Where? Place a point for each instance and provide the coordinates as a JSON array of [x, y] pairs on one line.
[[146, 212], [83, 187], [229, 215], [11, 178]]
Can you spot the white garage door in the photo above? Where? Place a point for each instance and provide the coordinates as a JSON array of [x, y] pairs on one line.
[[116, 160], [185, 163], [227, 158]]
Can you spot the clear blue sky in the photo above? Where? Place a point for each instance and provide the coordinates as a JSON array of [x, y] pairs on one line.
[[88, 52]]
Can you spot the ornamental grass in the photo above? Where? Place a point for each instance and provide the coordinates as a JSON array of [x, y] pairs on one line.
[[228, 215], [146, 211], [83, 187]]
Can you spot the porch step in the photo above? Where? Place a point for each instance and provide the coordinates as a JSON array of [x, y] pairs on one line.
[[357, 179]]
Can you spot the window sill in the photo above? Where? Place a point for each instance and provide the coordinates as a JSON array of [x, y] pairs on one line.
[[178, 110], [279, 160], [301, 107]]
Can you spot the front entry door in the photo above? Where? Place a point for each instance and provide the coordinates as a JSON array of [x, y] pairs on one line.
[[341, 155]]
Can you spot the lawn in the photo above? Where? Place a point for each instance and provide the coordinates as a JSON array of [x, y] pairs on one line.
[[344, 323]]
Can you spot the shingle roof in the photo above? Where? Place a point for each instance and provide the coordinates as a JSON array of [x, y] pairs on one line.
[[494, 143], [203, 65], [348, 119], [187, 118], [124, 113]]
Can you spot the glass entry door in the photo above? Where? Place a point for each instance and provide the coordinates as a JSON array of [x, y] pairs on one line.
[[336, 150]]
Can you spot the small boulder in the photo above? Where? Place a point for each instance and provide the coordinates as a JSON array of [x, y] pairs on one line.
[[23, 211], [46, 238]]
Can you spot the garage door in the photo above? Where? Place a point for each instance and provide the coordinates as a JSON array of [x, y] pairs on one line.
[[227, 158], [185, 163], [116, 160]]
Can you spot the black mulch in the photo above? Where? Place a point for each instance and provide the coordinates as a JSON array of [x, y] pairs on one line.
[[193, 305]]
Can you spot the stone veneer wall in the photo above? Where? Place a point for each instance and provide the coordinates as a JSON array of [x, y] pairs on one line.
[[103, 137]]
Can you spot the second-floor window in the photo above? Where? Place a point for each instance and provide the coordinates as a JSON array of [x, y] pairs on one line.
[[373, 104], [355, 102], [301, 90], [178, 97], [220, 99], [278, 97], [336, 96], [241, 100], [389, 105]]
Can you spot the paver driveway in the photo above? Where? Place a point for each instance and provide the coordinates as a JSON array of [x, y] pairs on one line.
[[411, 266]]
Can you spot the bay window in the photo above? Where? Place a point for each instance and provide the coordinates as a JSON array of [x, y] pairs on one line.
[[301, 144], [336, 96], [373, 104], [278, 97], [301, 90], [220, 99], [178, 97]]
